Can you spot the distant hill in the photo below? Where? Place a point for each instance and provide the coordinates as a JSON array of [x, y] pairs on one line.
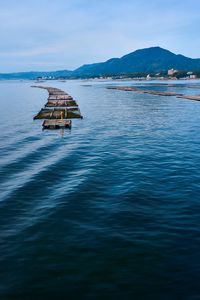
[[148, 60], [34, 75], [154, 59]]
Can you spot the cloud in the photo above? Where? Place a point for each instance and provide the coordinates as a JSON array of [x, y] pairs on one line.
[[70, 33]]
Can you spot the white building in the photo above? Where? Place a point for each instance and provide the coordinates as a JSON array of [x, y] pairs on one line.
[[148, 77], [171, 72]]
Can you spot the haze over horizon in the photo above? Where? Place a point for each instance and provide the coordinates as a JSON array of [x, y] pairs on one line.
[[44, 35]]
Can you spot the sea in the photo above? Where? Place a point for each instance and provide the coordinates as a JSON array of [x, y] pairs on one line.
[[107, 210]]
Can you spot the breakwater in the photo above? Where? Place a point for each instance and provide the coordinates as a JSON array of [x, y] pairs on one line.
[[58, 110], [158, 93]]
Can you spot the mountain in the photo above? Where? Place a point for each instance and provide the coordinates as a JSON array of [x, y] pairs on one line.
[[154, 59], [148, 60], [34, 75]]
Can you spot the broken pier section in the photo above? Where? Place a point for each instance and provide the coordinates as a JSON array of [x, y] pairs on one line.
[[158, 93], [58, 110]]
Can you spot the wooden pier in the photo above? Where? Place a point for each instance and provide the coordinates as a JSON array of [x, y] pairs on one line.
[[153, 92], [56, 124], [59, 113], [58, 110], [58, 103]]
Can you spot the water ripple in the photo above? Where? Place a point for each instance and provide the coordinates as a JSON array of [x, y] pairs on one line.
[[109, 209]]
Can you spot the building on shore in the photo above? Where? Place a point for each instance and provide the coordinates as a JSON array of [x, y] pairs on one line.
[[171, 72], [148, 77]]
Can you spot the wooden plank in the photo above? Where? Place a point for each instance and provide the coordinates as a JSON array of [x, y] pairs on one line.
[[56, 124], [56, 113], [56, 103], [60, 97]]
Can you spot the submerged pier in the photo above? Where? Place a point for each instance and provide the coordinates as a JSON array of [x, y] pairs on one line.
[[59, 109], [158, 93]]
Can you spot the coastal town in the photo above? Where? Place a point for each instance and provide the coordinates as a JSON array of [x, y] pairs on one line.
[[171, 74]]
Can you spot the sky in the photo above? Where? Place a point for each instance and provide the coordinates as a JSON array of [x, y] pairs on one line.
[[65, 34]]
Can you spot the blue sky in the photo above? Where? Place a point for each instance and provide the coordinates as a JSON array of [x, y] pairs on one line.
[[64, 34]]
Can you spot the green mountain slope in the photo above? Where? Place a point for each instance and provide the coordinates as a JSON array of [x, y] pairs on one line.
[[154, 59]]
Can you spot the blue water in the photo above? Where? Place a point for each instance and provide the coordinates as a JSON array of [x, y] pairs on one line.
[[108, 210]]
